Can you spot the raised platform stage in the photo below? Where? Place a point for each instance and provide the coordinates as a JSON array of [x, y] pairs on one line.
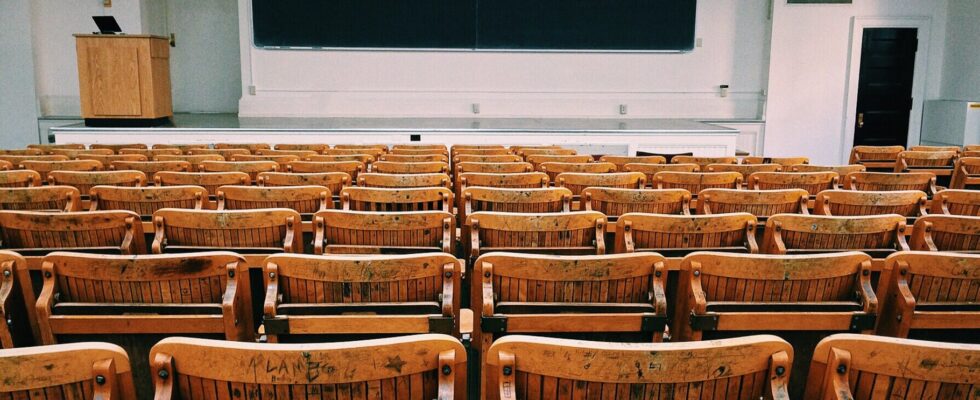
[[595, 136]]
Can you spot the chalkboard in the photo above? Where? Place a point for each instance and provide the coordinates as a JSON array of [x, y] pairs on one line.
[[590, 25]]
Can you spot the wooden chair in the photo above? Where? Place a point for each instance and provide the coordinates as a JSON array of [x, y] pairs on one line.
[[652, 169], [316, 148], [251, 147], [210, 181], [33, 233], [335, 181], [493, 167], [761, 203], [382, 147], [695, 182], [278, 159], [577, 182], [147, 200], [17, 161], [971, 147], [478, 150], [576, 233], [116, 147], [84, 180], [678, 235], [45, 147], [475, 147], [908, 203], [403, 180], [16, 304], [515, 200], [786, 162], [196, 293], [526, 367], [429, 366], [621, 161], [526, 180], [271, 230], [929, 291], [45, 167], [527, 152], [703, 162], [538, 159], [85, 370], [970, 153], [363, 159], [150, 168], [363, 294], [966, 174], [296, 153], [107, 160], [877, 235], [487, 158], [418, 147], [764, 293], [415, 158], [517, 148], [252, 168], [957, 202], [946, 233], [886, 181], [364, 232], [43, 198], [875, 157], [614, 202], [406, 199], [6, 165], [812, 182], [151, 153], [391, 167], [224, 153], [182, 147], [841, 170], [21, 152], [303, 199], [847, 366], [351, 168], [19, 178], [194, 160], [374, 153], [936, 148], [73, 154], [745, 169], [938, 162], [553, 169]]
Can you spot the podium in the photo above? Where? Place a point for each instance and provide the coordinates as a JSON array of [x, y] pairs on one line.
[[124, 80]]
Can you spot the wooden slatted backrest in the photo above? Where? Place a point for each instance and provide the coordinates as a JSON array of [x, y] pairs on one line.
[[97, 231], [19, 178], [210, 181], [73, 154], [43, 198], [788, 233], [955, 202], [182, 147], [194, 160], [928, 290], [261, 231], [695, 182], [478, 149], [335, 181], [382, 147], [506, 157], [517, 148], [364, 159], [316, 148], [150, 168], [538, 159], [875, 156], [946, 233], [525, 180], [786, 162], [252, 168], [553, 169], [515, 200], [966, 173], [18, 161], [298, 153], [16, 293], [45, 147], [403, 180], [761, 203], [411, 158], [116, 147], [6, 165], [621, 161], [147, 200], [908, 203], [614, 202], [340, 231], [405, 199], [935, 148], [302, 199], [685, 233], [841, 170], [812, 182], [80, 288], [374, 153], [45, 167], [418, 147], [724, 285], [351, 168], [251, 147], [391, 167], [150, 153], [85, 180], [703, 162], [69, 371], [107, 160], [282, 160], [493, 167], [525, 367], [865, 367], [576, 182], [971, 147], [745, 169], [527, 152], [226, 153], [577, 232], [910, 160], [417, 367], [887, 181], [21, 152]]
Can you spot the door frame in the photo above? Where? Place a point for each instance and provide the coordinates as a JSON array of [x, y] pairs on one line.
[[858, 24]]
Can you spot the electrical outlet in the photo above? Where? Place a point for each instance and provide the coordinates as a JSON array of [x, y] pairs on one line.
[[623, 110], [476, 108]]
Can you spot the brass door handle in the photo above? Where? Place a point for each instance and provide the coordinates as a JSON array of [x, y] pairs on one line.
[[860, 120]]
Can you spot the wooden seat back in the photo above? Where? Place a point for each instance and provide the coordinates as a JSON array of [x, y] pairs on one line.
[[182, 147], [515, 200], [270, 230], [418, 147], [414, 158], [73, 154], [801, 234], [194, 160], [17, 161], [147, 200], [841, 170], [116, 147], [812, 182], [936, 148], [351, 168], [46, 147], [517, 148], [6, 165], [955, 202], [907, 203], [478, 149], [745, 169], [403, 180], [677, 235], [151, 153], [364, 159], [966, 173], [764, 293], [577, 232], [525, 180], [86, 370], [541, 151], [278, 152], [761, 203], [577, 182], [379, 147], [86, 180], [314, 147], [252, 168], [107, 160], [938, 162], [302, 199], [695, 182], [553, 169], [45, 167], [420, 151], [864, 367], [196, 293], [280, 159], [538, 159], [227, 154], [755, 367], [391, 167], [887, 181], [43, 198], [875, 157], [21, 152], [621, 161], [366, 232], [786, 162], [946, 233], [703, 162], [38, 233], [150, 168], [505, 157], [493, 167], [405, 199], [16, 293], [614, 202], [375, 153], [210, 181], [335, 181], [251, 147]]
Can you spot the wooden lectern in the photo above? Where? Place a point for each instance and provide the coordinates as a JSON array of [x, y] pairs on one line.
[[124, 80]]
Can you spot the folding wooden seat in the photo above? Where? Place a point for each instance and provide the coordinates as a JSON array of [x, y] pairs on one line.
[[929, 291], [875, 157], [371, 232], [946, 233], [33, 233], [45, 167], [515, 200], [116, 147], [224, 153], [938, 162], [812, 182], [298, 153], [763, 293], [652, 169], [481, 158], [73, 154], [182, 147], [150, 153], [877, 235], [889, 181], [376, 153], [18, 161], [517, 181], [953, 202], [193, 293], [147, 200], [46, 147], [391, 167], [403, 180], [908, 203], [252, 168], [316, 148], [85, 180], [966, 174], [678, 235], [150, 168], [847, 366], [210, 181], [695, 182], [86, 370], [335, 181], [745, 169], [553, 169], [194, 160], [577, 182], [364, 159], [403, 199], [270, 230], [421, 152], [45, 198], [20, 178], [362, 294], [577, 232], [761, 203], [418, 158], [786, 162], [21, 152], [841, 170], [302, 199], [531, 367], [251, 147], [278, 159], [526, 152], [936, 148], [483, 153], [614, 202], [621, 161], [16, 303], [703, 162], [537, 159]]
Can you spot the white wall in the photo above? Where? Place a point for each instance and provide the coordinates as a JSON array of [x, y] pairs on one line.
[[205, 67], [394, 83], [808, 71], [18, 103], [961, 69]]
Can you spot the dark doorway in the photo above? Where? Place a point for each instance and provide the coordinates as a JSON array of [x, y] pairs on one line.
[[885, 86]]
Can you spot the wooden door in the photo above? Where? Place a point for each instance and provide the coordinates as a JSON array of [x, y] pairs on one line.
[[885, 86]]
